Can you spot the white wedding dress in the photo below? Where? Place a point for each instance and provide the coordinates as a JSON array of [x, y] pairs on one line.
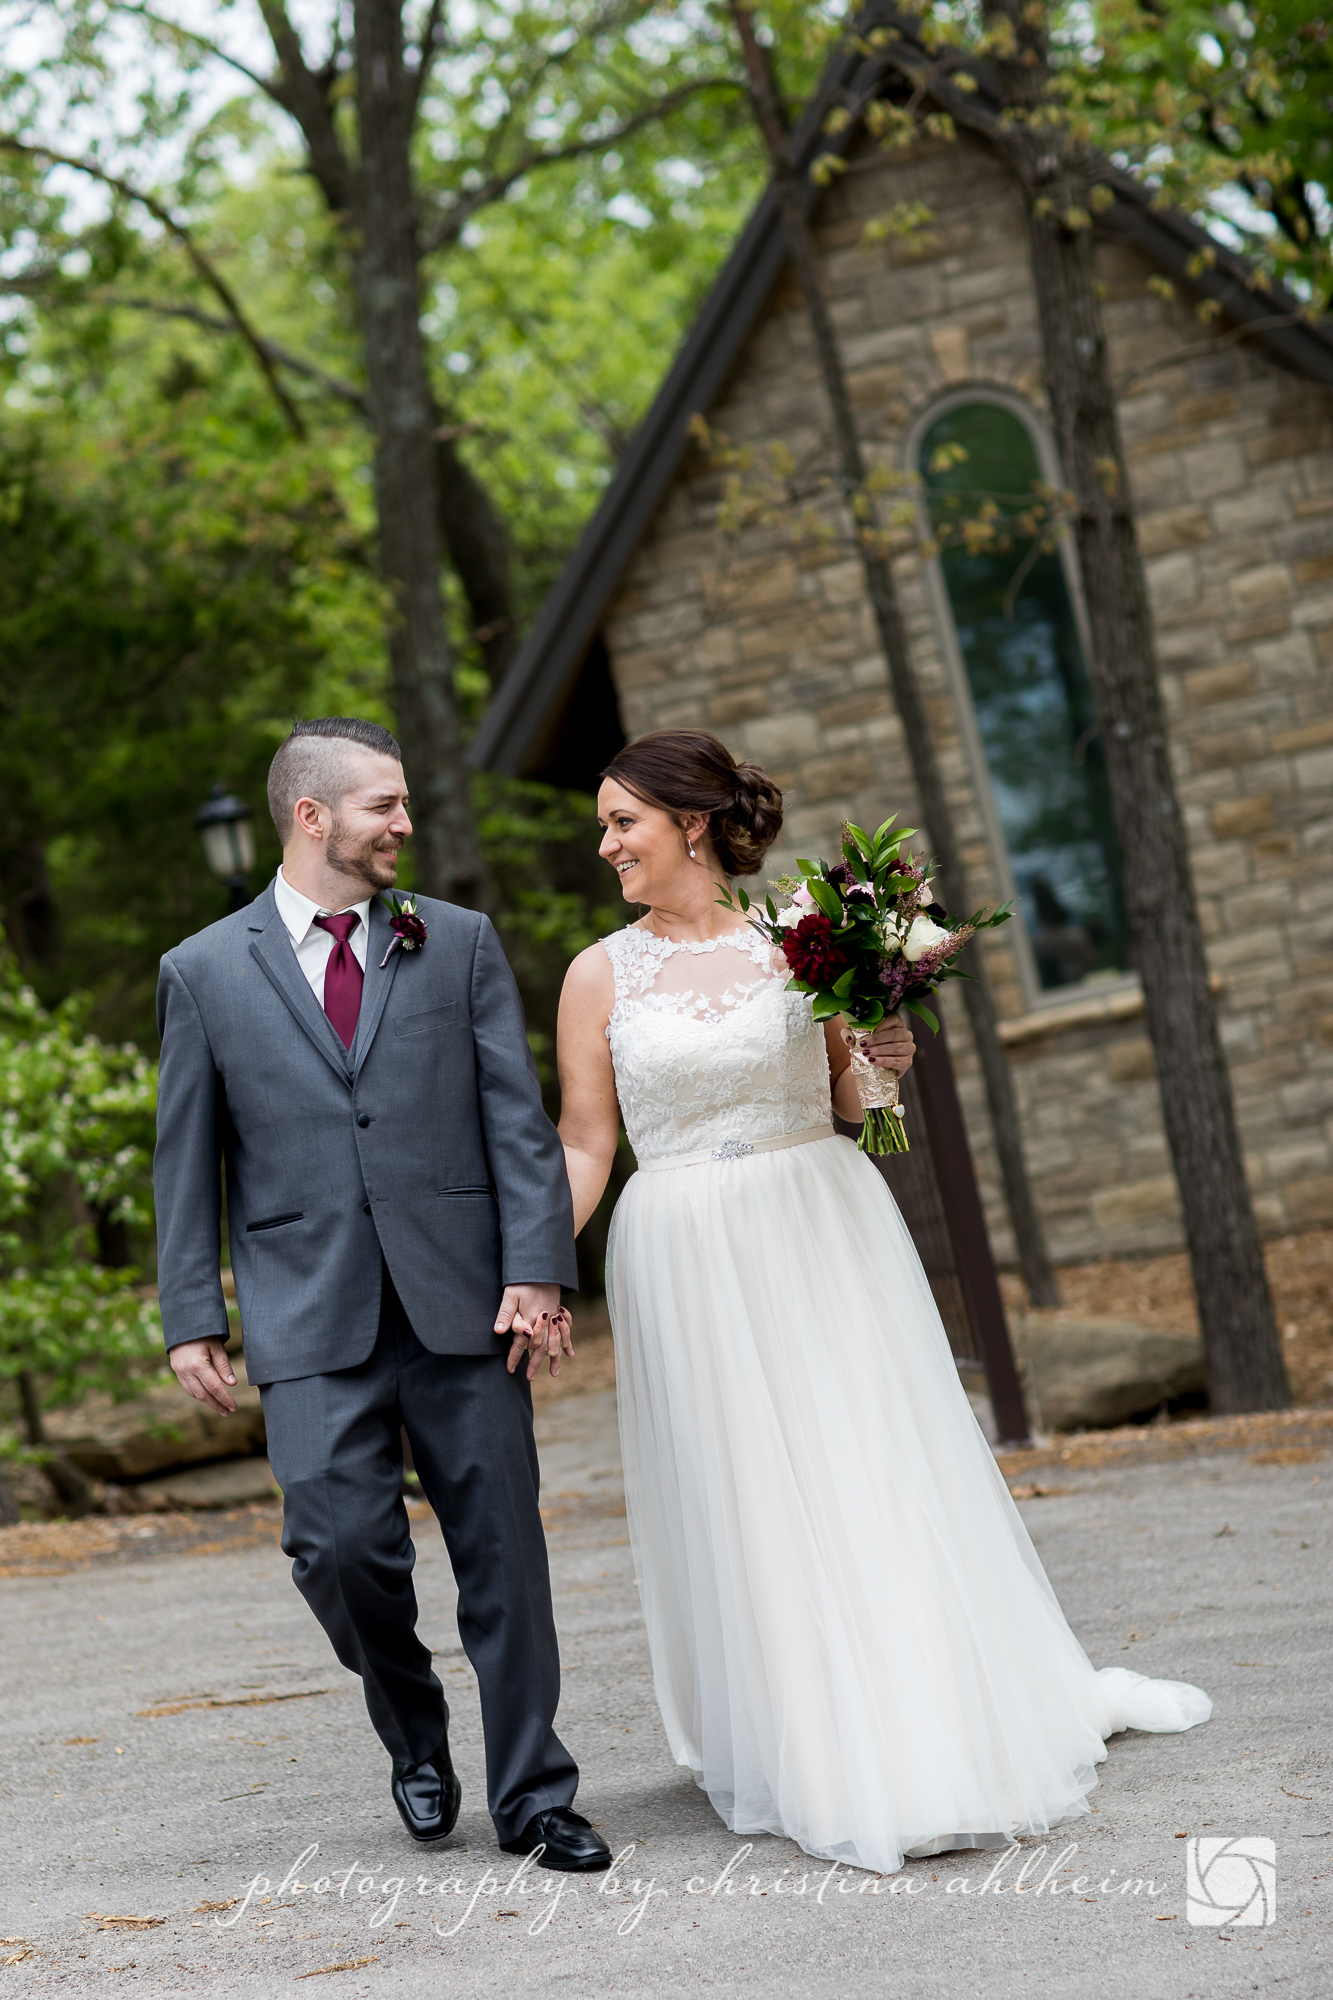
[[853, 1641]]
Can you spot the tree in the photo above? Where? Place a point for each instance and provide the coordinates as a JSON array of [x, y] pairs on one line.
[[161, 620], [1228, 110], [76, 1136], [859, 496], [1040, 115], [538, 89]]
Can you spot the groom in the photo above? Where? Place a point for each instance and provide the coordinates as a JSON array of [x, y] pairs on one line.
[[396, 1199]]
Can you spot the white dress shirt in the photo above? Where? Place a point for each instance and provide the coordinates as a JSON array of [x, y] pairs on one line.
[[312, 945]]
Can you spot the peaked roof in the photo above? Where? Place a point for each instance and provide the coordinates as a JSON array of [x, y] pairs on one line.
[[543, 671]]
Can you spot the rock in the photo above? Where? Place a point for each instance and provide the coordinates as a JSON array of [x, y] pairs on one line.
[[234, 1482], [1092, 1373], [157, 1430]]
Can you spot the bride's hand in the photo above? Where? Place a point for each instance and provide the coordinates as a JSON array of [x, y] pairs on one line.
[[539, 1325], [890, 1044]]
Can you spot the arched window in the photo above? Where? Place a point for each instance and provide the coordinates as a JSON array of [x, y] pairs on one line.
[[1021, 656]]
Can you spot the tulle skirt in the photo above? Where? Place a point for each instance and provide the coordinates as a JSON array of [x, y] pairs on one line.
[[853, 1641]]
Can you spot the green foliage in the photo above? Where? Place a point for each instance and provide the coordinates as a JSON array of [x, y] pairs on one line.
[[1227, 109], [163, 616], [541, 847], [76, 1137], [1224, 110]]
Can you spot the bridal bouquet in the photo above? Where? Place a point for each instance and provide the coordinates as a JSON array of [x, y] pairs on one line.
[[863, 937]]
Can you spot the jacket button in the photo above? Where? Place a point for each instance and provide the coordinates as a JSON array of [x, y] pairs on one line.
[[363, 1118]]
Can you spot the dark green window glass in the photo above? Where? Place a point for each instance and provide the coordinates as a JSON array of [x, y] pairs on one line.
[[1029, 685]]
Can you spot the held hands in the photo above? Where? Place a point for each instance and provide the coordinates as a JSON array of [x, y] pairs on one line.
[[202, 1369], [538, 1323]]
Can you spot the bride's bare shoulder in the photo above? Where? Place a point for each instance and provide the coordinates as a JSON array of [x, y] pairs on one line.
[[590, 981]]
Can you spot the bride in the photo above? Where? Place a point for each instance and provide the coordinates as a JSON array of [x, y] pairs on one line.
[[853, 1641]]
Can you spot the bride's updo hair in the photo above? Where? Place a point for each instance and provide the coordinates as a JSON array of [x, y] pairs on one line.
[[688, 771]]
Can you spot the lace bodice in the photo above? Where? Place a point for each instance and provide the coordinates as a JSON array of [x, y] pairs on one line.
[[707, 1045]]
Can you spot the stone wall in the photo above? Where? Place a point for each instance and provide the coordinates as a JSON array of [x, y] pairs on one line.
[[772, 645]]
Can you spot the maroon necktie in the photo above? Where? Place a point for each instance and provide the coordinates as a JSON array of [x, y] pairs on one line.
[[343, 977]]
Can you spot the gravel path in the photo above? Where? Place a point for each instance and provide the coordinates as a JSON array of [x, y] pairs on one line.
[[176, 1727]]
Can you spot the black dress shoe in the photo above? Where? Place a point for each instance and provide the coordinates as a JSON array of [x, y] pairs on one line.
[[566, 1841], [428, 1795]]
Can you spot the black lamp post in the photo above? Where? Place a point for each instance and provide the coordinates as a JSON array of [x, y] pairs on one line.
[[226, 828]]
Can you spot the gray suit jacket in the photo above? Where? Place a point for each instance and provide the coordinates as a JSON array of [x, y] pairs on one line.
[[426, 1142]]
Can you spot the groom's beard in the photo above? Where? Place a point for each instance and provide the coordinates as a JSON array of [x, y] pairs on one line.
[[374, 865]]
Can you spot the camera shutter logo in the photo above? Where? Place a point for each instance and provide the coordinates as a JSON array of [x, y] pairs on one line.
[[1230, 1881]]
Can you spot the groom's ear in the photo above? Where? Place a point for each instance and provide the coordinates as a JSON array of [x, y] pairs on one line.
[[309, 817]]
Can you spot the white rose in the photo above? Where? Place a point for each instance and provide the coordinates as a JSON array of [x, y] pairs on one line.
[[923, 937], [801, 905]]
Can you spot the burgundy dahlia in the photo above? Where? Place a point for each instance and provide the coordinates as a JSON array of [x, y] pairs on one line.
[[410, 928], [812, 951]]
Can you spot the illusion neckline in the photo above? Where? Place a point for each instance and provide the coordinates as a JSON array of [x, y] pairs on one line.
[[743, 934]]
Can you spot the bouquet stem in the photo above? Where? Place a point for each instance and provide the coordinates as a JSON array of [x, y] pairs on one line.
[[883, 1128]]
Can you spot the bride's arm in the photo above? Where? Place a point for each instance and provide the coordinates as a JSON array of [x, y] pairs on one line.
[[589, 1112], [890, 1044]]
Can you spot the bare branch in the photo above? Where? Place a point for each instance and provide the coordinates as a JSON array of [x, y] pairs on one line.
[[305, 95], [450, 226], [282, 357], [600, 420], [426, 47], [204, 265], [1236, 334], [612, 16], [174, 28]]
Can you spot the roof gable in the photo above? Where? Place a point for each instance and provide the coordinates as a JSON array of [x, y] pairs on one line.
[[543, 671]]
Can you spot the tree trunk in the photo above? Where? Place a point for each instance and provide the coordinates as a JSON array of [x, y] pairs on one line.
[[1244, 1355], [1241, 1346], [448, 853], [479, 550], [1034, 1259], [72, 1485], [27, 907]]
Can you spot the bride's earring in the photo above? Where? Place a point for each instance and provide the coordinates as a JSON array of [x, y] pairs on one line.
[[691, 854]]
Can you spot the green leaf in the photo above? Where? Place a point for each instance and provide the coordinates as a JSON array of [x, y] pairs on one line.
[[843, 987], [744, 901], [770, 906], [809, 867], [920, 1009], [827, 899], [826, 1008], [852, 857]]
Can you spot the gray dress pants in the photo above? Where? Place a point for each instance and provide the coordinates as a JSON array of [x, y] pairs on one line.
[[334, 1444]]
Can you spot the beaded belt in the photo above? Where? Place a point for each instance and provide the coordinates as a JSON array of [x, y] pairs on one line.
[[738, 1149]]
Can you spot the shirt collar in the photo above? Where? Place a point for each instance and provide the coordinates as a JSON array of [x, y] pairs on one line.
[[298, 913]]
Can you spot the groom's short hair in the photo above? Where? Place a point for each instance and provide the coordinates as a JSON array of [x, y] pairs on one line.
[[314, 763]]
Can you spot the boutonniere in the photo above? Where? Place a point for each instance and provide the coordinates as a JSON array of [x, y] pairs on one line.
[[408, 926]]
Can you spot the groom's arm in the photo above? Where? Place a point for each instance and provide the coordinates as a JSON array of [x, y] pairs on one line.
[[526, 1158], [187, 1171]]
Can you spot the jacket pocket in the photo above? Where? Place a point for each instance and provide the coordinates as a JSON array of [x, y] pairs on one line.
[[470, 1193], [274, 1222], [428, 1019]]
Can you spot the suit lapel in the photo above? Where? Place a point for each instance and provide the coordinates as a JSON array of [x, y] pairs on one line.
[[379, 979], [272, 947]]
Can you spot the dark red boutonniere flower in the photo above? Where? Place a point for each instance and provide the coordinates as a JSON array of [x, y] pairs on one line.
[[408, 926], [812, 951]]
